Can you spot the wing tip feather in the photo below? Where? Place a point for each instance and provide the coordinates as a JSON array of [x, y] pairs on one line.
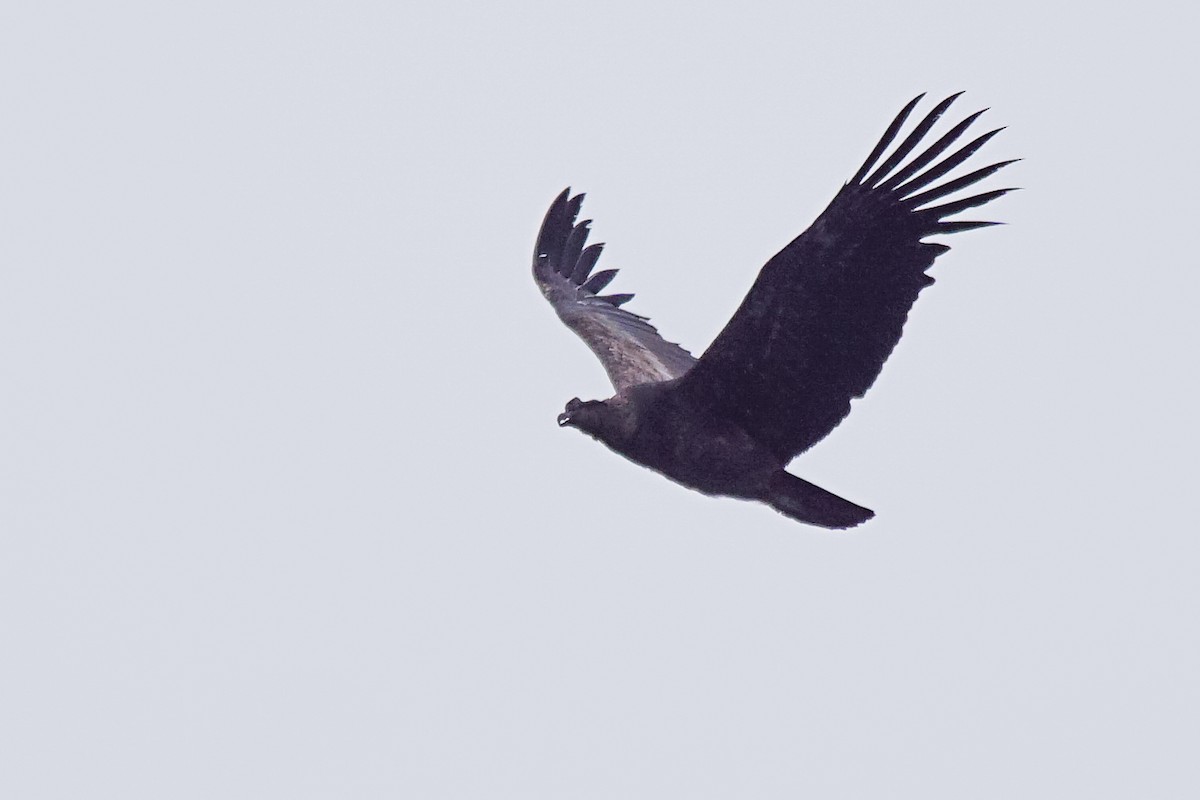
[[888, 137]]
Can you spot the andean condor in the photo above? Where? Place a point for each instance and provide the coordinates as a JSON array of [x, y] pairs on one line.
[[811, 335]]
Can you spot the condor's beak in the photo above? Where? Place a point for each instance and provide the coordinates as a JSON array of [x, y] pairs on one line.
[[564, 419]]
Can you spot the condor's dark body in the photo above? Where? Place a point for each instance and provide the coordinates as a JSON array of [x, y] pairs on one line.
[[811, 335], [655, 426]]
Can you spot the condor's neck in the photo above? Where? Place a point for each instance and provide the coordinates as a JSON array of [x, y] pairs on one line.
[[627, 415]]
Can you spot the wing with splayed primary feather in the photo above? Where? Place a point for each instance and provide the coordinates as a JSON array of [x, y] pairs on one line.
[[629, 347], [827, 310]]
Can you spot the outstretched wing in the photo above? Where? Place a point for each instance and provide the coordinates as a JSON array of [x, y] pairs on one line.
[[628, 346], [827, 310]]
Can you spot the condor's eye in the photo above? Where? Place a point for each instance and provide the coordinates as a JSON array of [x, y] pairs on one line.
[[573, 404]]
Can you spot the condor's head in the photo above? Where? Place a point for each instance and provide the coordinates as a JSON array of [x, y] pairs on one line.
[[594, 417]]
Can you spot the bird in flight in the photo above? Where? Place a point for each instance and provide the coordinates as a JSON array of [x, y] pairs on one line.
[[811, 335]]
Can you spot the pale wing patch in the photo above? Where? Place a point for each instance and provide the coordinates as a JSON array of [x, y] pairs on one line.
[[629, 347], [627, 360]]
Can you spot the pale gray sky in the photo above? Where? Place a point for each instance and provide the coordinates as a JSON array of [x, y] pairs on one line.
[[284, 511]]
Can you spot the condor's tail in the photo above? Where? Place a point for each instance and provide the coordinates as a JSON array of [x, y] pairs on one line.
[[797, 498]]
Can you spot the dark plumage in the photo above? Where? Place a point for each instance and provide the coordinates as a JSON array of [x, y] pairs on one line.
[[811, 335]]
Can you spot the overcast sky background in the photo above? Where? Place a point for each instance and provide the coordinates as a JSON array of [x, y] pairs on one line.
[[283, 508]]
